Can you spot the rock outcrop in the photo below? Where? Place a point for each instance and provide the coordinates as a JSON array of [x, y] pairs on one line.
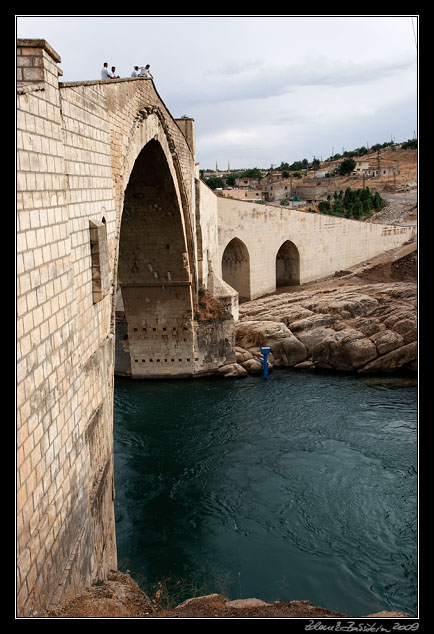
[[121, 597], [353, 328]]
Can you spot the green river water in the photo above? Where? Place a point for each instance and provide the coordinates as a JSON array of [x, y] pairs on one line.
[[302, 486]]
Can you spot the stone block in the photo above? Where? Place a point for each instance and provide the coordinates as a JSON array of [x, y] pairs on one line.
[[33, 74]]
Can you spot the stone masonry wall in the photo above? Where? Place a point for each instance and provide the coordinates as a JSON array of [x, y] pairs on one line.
[[208, 229], [52, 488], [325, 243], [76, 146]]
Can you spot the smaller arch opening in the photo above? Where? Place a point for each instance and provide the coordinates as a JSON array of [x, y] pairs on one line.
[[236, 268], [287, 265]]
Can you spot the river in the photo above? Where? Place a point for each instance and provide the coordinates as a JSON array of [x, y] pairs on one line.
[[302, 486]]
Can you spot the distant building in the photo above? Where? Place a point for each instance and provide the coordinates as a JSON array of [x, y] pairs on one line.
[[246, 182], [321, 173], [332, 165], [241, 194], [376, 167], [277, 190], [310, 192], [272, 177], [362, 164]]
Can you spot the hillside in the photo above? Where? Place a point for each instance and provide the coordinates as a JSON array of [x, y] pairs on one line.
[[399, 191], [407, 161]]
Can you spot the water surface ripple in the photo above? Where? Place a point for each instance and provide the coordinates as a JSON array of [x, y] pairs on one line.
[[298, 487]]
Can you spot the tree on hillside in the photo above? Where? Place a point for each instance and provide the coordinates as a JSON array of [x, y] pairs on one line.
[[357, 209], [255, 172], [411, 144], [349, 197], [381, 146], [347, 166], [298, 165], [324, 206], [214, 181], [283, 166], [378, 202], [353, 203]]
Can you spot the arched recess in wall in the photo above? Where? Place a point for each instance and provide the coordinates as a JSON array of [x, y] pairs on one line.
[[288, 265], [153, 270], [236, 268]]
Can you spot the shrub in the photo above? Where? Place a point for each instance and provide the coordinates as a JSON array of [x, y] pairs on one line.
[[324, 206]]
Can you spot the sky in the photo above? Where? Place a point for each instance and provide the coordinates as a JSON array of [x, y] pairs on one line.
[[261, 89]]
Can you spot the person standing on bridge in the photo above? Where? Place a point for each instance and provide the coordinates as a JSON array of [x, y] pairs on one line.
[[145, 72], [135, 72], [113, 73], [105, 71]]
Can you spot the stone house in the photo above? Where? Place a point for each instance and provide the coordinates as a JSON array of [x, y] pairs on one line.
[[245, 182], [362, 164], [276, 191], [271, 177], [254, 194], [369, 168]]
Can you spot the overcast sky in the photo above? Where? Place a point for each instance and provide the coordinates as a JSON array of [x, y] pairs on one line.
[[261, 89]]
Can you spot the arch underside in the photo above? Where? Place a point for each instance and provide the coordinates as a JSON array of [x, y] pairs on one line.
[[236, 268], [154, 272], [287, 265]]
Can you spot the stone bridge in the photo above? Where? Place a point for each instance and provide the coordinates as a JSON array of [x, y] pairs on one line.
[[116, 235]]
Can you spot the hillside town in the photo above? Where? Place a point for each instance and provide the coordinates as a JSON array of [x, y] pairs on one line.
[[382, 169]]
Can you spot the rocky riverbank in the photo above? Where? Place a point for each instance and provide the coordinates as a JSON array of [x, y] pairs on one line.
[[364, 320], [120, 597]]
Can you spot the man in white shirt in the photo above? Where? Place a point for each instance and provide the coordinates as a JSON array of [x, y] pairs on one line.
[[145, 72], [135, 71], [105, 71]]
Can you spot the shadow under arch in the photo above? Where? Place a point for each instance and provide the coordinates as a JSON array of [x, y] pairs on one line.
[[236, 268], [288, 265], [154, 281]]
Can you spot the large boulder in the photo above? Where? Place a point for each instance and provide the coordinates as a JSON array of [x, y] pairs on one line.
[[231, 370], [286, 349], [355, 327], [403, 357], [253, 366], [347, 349]]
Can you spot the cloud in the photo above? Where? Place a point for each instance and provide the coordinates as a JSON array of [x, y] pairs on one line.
[[257, 81], [312, 128]]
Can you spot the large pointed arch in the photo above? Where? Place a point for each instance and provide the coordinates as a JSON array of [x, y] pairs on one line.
[[154, 270], [288, 265], [236, 268]]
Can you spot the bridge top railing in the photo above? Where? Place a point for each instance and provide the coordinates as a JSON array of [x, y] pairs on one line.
[[91, 82]]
